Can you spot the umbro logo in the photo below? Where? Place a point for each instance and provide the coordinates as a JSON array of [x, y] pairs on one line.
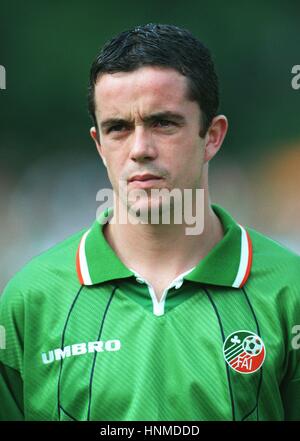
[[80, 349]]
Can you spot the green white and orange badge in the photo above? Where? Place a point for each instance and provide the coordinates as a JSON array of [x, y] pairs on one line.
[[244, 351]]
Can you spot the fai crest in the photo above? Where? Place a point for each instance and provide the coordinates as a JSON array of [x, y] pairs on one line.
[[244, 351]]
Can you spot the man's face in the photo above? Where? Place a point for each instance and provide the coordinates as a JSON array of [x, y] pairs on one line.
[[147, 125]]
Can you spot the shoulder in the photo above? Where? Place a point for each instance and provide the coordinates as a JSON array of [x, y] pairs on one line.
[[54, 265], [274, 265], [267, 251], [36, 301]]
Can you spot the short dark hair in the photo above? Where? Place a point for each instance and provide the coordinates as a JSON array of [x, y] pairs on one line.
[[164, 46]]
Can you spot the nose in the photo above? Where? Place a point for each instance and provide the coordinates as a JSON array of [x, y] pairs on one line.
[[143, 146]]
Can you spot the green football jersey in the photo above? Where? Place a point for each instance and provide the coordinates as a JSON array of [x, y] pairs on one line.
[[83, 337]]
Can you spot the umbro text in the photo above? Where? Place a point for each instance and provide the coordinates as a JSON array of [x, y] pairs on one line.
[[80, 349]]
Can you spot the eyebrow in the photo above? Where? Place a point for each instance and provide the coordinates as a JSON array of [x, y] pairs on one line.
[[180, 119]]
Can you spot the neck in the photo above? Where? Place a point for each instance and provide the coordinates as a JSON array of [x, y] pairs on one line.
[[148, 248]]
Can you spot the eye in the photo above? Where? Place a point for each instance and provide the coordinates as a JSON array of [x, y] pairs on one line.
[[116, 128], [164, 123]]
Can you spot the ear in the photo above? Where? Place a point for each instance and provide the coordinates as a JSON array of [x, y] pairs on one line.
[[215, 136], [94, 135]]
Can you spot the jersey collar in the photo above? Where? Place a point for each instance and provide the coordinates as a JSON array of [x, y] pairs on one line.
[[227, 264]]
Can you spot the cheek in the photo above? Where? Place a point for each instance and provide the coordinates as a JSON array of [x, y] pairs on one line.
[[190, 166], [115, 169], [191, 155], [113, 173]]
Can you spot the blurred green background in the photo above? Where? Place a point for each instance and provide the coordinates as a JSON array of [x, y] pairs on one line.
[[49, 168]]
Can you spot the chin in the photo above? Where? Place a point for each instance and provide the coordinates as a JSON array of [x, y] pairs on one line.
[[150, 211]]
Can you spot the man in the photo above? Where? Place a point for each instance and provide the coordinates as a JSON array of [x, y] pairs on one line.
[[153, 323]]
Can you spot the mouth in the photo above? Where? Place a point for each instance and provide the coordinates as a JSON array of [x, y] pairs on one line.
[[144, 181]]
